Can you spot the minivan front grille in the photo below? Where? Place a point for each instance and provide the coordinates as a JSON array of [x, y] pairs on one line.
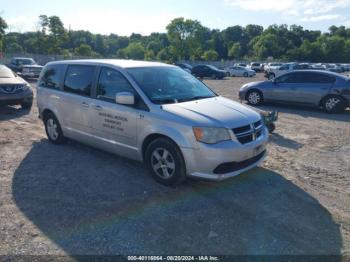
[[249, 133]]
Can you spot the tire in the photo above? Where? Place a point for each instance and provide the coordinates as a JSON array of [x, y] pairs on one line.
[[271, 76], [254, 97], [27, 105], [245, 74], [53, 129], [213, 76], [333, 104], [271, 127], [165, 162]]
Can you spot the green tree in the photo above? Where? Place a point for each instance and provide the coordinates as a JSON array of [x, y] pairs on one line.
[[210, 55], [182, 35], [83, 50], [235, 51], [3, 26], [57, 34], [133, 51]]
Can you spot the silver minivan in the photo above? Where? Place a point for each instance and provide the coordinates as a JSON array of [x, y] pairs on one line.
[[151, 112]]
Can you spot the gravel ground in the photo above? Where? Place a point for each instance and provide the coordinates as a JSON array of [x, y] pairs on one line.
[[73, 199]]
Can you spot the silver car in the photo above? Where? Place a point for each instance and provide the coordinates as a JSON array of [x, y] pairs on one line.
[[327, 90], [151, 112], [240, 71]]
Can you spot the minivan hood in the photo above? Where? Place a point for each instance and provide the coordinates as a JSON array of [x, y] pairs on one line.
[[217, 111]]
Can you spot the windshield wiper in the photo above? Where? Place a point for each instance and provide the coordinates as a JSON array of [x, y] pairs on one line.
[[195, 98], [164, 101]]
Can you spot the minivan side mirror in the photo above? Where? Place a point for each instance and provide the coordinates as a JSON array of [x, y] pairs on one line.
[[125, 98]]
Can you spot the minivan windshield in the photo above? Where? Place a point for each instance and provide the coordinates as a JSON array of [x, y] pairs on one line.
[[169, 85]]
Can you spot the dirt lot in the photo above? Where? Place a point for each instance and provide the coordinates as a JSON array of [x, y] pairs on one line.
[[73, 199]]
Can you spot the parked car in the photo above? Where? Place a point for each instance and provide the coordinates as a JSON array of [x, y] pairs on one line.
[[288, 67], [151, 112], [184, 66], [14, 90], [202, 71], [240, 71], [333, 68], [272, 66], [323, 89], [241, 64], [257, 67], [26, 67]]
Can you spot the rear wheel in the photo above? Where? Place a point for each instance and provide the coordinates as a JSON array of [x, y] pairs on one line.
[[53, 129], [333, 104], [254, 97], [165, 162]]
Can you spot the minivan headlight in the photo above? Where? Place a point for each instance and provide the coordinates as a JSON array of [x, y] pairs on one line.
[[211, 135]]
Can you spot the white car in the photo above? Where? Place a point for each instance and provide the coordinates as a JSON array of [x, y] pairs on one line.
[[257, 67], [240, 71], [273, 66], [286, 68]]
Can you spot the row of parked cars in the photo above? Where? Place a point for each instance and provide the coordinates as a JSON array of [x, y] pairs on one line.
[[160, 115], [271, 70]]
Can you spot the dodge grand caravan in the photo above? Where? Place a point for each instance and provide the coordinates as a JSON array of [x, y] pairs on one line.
[[151, 112]]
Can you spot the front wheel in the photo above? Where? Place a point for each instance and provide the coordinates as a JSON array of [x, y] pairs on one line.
[[254, 97], [213, 76], [333, 104], [165, 162], [245, 74]]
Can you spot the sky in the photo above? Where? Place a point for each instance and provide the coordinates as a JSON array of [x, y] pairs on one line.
[[124, 17]]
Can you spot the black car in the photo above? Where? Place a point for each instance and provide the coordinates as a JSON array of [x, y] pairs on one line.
[[26, 67], [202, 71], [184, 66]]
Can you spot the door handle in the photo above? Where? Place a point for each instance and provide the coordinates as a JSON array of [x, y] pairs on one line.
[[98, 108], [84, 104]]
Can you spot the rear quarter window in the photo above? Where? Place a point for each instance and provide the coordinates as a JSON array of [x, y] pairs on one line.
[[51, 77]]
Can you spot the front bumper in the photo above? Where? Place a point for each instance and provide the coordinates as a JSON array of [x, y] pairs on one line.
[[241, 95], [206, 160], [14, 99], [30, 74]]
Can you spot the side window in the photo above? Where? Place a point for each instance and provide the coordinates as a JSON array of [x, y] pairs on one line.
[[289, 78], [52, 76], [323, 79], [110, 83], [79, 79]]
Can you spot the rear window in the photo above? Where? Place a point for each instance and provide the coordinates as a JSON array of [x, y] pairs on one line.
[[52, 76], [79, 79]]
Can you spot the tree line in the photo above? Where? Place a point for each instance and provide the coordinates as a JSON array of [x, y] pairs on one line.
[[185, 39]]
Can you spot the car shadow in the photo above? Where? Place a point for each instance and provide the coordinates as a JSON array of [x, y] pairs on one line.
[[285, 142], [306, 112], [12, 112], [90, 202]]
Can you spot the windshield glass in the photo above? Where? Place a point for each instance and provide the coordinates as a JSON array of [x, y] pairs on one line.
[[167, 85], [6, 72], [212, 67], [25, 62]]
